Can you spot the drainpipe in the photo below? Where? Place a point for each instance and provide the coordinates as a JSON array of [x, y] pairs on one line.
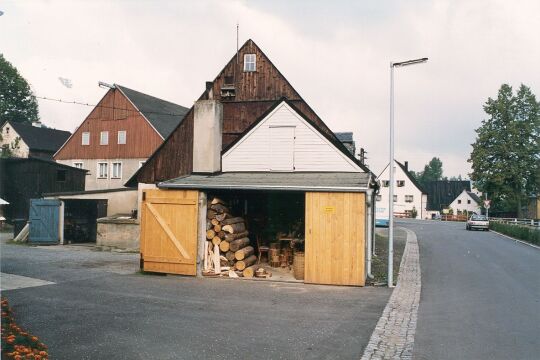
[[370, 204]]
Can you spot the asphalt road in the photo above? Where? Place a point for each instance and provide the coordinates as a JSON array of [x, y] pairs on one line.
[[480, 294], [99, 308]]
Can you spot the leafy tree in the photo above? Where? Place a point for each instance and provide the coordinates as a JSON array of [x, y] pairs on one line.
[[432, 171], [17, 103], [505, 156]]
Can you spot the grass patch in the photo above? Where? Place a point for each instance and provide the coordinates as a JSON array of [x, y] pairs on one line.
[[379, 263], [521, 232]]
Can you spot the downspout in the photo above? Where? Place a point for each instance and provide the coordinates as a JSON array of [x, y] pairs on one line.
[[369, 221]]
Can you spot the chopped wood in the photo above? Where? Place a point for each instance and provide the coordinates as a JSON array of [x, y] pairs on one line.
[[205, 267], [237, 244], [224, 246], [232, 221], [219, 209], [249, 272], [234, 228], [232, 274], [209, 225], [216, 240], [210, 234], [244, 253], [217, 264], [242, 264], [221, 217], [229, 255], [210, 214], [217, 200], [217, 228], [214, 222], [231, 237], [222, 234]]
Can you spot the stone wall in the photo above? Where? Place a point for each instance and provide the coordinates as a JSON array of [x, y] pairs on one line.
[[118, 232]]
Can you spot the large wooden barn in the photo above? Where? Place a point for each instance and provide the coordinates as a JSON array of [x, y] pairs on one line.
[[253, 183]]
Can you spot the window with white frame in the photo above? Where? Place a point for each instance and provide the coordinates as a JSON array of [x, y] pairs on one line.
[[116, 170], [85, 139], [385, 183], [401, 183], [250, 62], [122, 137], [103, 170], [104, 138], [395, 198], [378, 198], [78, 165], [409, 198]]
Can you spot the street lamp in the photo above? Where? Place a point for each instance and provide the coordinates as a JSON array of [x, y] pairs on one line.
[[391, 168]]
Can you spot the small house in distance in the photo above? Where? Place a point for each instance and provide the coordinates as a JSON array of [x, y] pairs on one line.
[[441, 193], [466, 202], [24, 140]]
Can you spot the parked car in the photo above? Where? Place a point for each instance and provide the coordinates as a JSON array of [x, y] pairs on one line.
[[381, 222], [477, 222]]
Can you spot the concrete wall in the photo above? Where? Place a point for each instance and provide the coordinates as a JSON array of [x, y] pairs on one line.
[[129, 167], [207, 136], [10, 137], [118, 233], [140, 188], [118, 202]]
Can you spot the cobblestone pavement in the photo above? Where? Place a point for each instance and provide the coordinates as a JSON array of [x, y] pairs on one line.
[[393, 337]]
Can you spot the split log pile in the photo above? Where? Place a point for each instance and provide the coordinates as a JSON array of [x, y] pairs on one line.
[[227, 251]]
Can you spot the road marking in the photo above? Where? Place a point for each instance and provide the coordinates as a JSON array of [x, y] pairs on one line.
[[516, 240], [11, 282], [393, 337]]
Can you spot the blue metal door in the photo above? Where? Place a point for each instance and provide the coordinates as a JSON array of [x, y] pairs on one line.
[[44, 221]]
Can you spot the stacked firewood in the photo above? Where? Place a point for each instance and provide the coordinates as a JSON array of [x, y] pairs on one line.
[[228, 251]]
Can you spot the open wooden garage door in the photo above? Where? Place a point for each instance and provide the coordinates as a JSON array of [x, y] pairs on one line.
[[169, 231], [335, 238]]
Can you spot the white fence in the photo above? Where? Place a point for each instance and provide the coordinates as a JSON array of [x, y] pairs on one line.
[[515, 221]]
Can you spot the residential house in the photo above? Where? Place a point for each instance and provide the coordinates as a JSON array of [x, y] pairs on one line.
[[467, 202], [25, 141], [441, 193], [253, 141], [409, 196], [118, 136]]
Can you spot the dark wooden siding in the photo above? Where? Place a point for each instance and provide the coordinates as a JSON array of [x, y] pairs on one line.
[[256, 92], [113, 113], [25, 179]]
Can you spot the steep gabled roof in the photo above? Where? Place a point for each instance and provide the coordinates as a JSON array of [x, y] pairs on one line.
[[41, 138], [474, 197], [163, 115], [411, 177], [441, 193]]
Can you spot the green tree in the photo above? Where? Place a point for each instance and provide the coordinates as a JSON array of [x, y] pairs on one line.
[[17, 103], [505, 155], [432, 171]]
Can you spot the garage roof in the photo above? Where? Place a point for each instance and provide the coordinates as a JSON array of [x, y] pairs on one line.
[[297, 181]]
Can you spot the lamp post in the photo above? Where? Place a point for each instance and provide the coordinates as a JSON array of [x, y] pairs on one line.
[[391, 168]]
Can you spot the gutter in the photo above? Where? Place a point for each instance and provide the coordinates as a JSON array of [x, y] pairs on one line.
[[164, 185], [371, 232]]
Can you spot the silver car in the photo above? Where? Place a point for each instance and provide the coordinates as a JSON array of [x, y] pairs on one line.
[[477, 222]]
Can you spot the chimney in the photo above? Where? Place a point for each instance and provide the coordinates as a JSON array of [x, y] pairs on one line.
[[207, 132], [406, 166]]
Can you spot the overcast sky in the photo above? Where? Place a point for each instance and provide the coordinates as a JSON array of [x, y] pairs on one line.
[[335, 53]]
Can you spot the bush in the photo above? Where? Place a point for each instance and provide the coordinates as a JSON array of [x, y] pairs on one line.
[[525, 233]]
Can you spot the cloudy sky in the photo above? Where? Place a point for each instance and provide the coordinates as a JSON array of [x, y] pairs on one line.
[[335, 53]]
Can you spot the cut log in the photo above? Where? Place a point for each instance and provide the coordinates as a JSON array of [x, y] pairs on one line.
[[214, 222], [217, 228], [242, 264], [210, 234], [232, 274], [249, 272], [231, 237], [234, 228], [206, 255], [222, 234], [209, 225], [216, 240], [244, 253], [224, 246], [219, 209], [232, 221], [229, 255], [237, 244], [222, 217], [210, 214], [217, 200]]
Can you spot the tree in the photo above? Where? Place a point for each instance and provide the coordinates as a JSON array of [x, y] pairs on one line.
[[505, 155], [432, 171], [17, 103]]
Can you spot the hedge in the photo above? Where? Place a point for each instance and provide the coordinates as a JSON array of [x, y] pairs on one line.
[[521, 232]]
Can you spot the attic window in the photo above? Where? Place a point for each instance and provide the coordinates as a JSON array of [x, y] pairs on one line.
[[7, 130], [401, 183], [250, 62]]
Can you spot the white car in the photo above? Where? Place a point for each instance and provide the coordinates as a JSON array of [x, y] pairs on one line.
[[477, 222]]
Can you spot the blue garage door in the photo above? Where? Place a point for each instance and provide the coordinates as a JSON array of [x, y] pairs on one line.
[[44, 221]]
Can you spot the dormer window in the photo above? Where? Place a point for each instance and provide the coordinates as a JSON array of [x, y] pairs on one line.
[[250, 62]]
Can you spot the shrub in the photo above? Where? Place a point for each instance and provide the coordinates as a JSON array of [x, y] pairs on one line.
[[525, 233]]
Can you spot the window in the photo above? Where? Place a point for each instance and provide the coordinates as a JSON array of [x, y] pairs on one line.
[[249, 62], [122, 137], [379, 198], [401, 183], [141, 163], [7, 130], [116, 170], [104, 138], [395, 198], [409, 198], [468, 201], [385, 183], [61, 175], [85, 138], [103, 170], [459, 201], [78, 165]]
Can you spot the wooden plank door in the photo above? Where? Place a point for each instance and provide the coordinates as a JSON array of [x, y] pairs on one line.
[[169, 231], [335, 238], [44, 221]]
